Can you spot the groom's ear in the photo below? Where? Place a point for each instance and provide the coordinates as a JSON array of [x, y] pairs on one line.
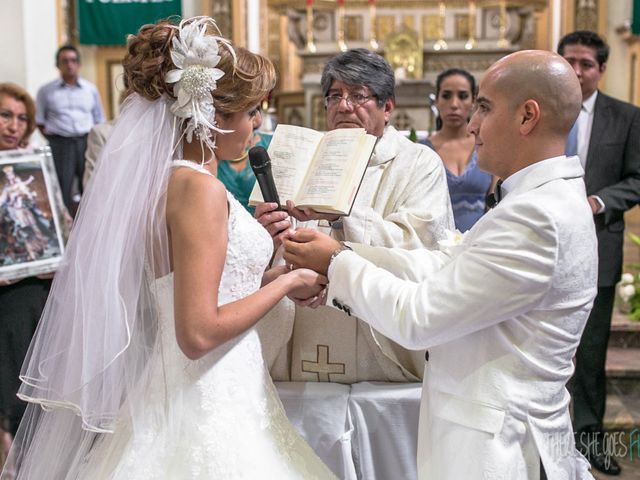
[[529, 115]]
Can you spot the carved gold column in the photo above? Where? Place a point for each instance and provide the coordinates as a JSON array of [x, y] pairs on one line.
[[311, 47], [373, 42], [440, 43], [567, 17], [502, 35], [60, 23], [290, 61], [239, 22], [471, 42], [342, 46]]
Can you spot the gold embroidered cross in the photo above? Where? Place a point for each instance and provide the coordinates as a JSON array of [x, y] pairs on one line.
[[322, 366]]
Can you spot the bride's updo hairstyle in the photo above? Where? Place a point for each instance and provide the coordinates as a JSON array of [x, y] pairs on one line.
[[248, 78]]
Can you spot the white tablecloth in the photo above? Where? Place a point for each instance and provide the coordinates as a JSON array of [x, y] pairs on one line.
[[363, 431]]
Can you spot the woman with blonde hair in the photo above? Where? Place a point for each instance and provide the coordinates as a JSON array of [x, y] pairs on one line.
[[21, 300], [146, 363], [17, 116]]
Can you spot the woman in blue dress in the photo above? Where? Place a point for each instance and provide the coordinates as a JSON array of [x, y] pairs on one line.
[[468, 185]]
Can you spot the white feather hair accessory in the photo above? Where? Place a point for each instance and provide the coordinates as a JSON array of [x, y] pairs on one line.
[[195, 55]]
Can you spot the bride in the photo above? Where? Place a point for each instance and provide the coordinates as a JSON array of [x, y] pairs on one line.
[[146, 363]]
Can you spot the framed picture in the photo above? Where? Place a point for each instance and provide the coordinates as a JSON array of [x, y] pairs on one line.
[[318, 113], [409, 21], [353, 28], [290, 108], [31, 214], [430, 27], [385, 25], [462, 24]]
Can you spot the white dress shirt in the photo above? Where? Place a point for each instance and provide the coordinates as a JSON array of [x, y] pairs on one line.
[[585, 123]]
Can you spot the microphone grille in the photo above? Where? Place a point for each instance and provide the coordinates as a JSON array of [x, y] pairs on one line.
[[258, 156]]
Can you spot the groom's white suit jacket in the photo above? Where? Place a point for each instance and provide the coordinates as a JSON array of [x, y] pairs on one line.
[[501, 313]]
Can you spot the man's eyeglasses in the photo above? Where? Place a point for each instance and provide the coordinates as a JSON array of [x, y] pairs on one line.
[[353, 100]]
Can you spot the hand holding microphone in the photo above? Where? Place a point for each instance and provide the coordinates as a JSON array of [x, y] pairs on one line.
[[274, 220], [261, 165]]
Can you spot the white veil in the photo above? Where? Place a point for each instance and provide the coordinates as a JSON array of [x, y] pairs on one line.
[[99, 325]]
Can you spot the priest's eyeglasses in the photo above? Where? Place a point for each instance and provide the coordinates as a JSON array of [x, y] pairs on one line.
[[353, 100]]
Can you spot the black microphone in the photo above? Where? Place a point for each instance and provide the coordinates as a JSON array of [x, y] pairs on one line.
[[261, 165]]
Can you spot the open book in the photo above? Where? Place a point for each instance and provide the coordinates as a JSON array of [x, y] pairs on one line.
[[322, 171]]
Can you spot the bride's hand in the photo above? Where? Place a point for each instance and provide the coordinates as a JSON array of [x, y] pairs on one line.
[[273, 273], [307, 286]]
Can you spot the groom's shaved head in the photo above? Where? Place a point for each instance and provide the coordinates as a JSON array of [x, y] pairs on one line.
[[544, 77]]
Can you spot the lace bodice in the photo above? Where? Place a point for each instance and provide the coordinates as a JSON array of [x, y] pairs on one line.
[[248, 250]]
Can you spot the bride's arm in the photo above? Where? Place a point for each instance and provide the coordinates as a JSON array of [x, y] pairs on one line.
[[197, 213]]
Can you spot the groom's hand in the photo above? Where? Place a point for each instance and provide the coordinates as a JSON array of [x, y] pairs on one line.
[[307, 248]]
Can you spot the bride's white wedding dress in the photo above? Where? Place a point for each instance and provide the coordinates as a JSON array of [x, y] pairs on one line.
[[218, 417]]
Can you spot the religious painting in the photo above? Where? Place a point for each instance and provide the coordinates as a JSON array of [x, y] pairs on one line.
[[404, 53], [353, 28], [318, 113], [430, 27], [409, 21], [385, 25], [31, 214], [290, 108], [462, 31]]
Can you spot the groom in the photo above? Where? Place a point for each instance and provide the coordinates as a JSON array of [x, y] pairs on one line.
[[502, 309]]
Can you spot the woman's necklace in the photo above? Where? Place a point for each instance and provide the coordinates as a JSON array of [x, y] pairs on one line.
[[239, 159]]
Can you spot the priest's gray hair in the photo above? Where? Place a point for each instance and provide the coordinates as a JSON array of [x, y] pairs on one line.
[[360, 66]]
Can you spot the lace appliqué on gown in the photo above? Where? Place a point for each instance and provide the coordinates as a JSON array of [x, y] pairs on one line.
[[218, 417]]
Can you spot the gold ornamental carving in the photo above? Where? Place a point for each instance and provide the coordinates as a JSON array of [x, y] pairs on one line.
[[403, 51]]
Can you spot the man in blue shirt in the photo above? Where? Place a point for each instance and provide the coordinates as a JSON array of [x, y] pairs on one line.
[[66, 109]]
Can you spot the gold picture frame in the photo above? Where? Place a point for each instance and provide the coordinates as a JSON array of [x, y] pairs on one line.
[[430, 27], [461, 22], [409, 21], [385, 26], [353, 28]]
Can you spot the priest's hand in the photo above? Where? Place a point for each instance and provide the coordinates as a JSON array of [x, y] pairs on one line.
[[274, 221], [306, 214], [306, 248]]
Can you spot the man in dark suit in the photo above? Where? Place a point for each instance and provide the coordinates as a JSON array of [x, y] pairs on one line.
[[606, 137]]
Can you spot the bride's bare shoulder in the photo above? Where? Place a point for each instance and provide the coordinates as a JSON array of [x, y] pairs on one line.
[[190, 189]]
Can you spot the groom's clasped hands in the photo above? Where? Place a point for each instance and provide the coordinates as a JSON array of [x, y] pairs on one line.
[[309, 250]]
